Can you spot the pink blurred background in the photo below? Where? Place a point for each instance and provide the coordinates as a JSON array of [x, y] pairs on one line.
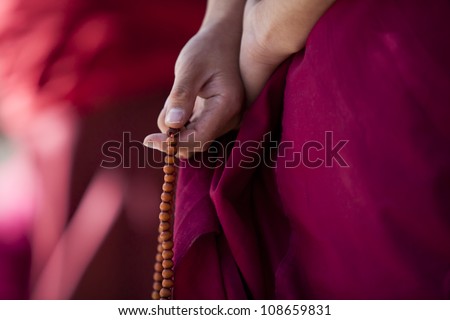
[[74, 75]]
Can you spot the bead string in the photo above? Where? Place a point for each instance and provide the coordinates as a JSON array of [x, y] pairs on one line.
[[164, 276]]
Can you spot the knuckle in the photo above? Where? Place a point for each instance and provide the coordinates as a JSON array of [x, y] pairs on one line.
[[180, 93]]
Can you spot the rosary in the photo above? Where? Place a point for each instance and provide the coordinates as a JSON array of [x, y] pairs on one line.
[[164, 276]]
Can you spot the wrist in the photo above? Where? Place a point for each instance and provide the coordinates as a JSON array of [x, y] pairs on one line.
[[283, 27], [224, 14]]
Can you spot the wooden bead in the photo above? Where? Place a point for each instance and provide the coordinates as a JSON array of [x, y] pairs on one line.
[[165, 196], [155, 295], [167, 264], [157, 285], [165, 206], [165, 293], [171, 141], [167, 283], [159, 267], [167, 245], [169, 178], [164, 226], [167, 274], [157, 276], [171, 132], [167, 187], [163, 276], [169, 159], [168, 169], [166, 235], [171, 136], [164, 216], [167, 254], [171, 150]]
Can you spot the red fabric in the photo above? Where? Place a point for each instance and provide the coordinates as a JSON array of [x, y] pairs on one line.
[[375, 73], [79, 54], [93, 52]]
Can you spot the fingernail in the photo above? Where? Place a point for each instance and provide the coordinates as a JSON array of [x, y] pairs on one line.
[[175, 115]]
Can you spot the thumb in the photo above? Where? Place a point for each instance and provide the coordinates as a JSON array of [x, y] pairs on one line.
[[181, 100]]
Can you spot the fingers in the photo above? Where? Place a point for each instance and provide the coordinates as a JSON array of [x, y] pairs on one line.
[[206, 97], [185, 140], [186, 146], [162, 121], [179, 104], [214, 117]]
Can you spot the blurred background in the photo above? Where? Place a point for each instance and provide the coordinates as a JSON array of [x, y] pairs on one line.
[[73, 76]]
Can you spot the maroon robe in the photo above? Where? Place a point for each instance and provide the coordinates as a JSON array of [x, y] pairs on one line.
[[376, 76]]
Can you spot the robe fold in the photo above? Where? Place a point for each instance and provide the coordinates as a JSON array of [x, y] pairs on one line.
[[352, 201]]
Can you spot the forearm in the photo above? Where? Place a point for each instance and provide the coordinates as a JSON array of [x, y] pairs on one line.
[[222, 27], [286, 24]]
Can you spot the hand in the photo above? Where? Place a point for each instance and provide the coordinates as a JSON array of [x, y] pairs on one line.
[[207, 94], [273, 30]]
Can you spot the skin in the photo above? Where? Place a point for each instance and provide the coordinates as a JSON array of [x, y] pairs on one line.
[[227, 63]]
